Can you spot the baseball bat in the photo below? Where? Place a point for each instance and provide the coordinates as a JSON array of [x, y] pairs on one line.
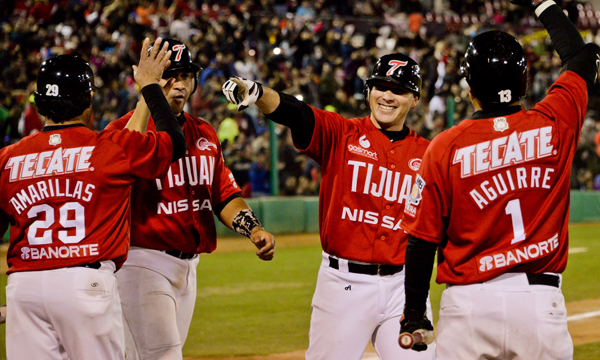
[[2, 314], [418, 337]]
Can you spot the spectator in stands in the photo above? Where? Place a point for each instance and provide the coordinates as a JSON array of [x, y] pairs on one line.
[[320, 57]]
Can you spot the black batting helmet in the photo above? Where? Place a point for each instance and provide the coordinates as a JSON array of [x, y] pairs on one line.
[[495, 68], [64, 77], [181, 60], [397, 69], [64, 85]]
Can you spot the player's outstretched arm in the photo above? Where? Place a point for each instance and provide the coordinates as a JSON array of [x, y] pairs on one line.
[[148, 75], [238, 216], [245, 93], [574, 53], [140, 117], [281, 108], [563, 33]]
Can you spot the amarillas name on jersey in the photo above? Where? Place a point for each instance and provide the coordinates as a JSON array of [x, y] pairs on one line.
[[366, 180]]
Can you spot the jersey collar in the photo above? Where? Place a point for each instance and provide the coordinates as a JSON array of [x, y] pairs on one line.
[[396, 135], [60, 127], [181, 118], [486, 114]]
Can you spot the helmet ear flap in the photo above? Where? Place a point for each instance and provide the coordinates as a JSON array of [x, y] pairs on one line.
[[195, 83], [367, 92]]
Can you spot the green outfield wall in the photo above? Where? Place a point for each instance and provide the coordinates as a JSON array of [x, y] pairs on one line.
[[300, 214], [281, 215]]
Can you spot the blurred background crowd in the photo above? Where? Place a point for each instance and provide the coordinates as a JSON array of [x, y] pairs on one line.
[[320, 51]]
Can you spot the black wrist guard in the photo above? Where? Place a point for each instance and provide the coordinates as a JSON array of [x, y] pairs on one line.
[[245, 221]]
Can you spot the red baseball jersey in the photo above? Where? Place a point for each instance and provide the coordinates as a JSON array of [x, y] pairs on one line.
[[366, 179], [494, 193], [65, 192], [175, 212]]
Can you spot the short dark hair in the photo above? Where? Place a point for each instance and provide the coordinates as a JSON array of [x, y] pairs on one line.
[[62, 110]]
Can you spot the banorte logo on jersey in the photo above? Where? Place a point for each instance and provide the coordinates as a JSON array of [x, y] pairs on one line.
[[362, 149], [59, 252], [517, 255], [204, 144]]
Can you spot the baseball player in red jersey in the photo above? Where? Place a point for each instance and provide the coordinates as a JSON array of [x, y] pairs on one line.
[[172, 222], [493, 195], [368, 168], [65, 192]]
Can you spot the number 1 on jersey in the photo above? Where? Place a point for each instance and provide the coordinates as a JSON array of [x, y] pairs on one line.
[[513, 208]]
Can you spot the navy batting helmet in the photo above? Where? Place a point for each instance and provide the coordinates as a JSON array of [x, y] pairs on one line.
[[181, 60], [397, 69], [495, 68], [64, 85]]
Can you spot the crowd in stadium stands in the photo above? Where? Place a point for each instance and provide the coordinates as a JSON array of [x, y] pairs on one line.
[[320, 50]]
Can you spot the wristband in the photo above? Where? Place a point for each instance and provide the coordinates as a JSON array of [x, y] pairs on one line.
[[245, 221], [542, 5]]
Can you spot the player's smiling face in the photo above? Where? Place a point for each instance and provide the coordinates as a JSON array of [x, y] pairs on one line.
[[178, 94], [389, 105]]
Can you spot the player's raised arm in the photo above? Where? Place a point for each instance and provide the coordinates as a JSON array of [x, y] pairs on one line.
[[140, 117], [282, 108], [574, 53], [148, 75]]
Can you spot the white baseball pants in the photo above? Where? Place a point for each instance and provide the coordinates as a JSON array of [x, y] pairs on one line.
[[349, 309], [158, 294], [64, 314], [505, 318]]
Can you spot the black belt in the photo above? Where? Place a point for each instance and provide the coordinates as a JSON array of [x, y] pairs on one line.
[[368, 269], [95, 265], [543, 279], [536, 279], [180, 255]]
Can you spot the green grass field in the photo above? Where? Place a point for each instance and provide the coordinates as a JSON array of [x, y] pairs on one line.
[[249, 307]]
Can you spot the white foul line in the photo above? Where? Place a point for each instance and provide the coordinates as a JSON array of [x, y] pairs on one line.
[[583, 316], [577, 250]]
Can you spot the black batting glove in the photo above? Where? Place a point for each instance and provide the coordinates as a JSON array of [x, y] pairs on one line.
[[242, 92], [414, 320]]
